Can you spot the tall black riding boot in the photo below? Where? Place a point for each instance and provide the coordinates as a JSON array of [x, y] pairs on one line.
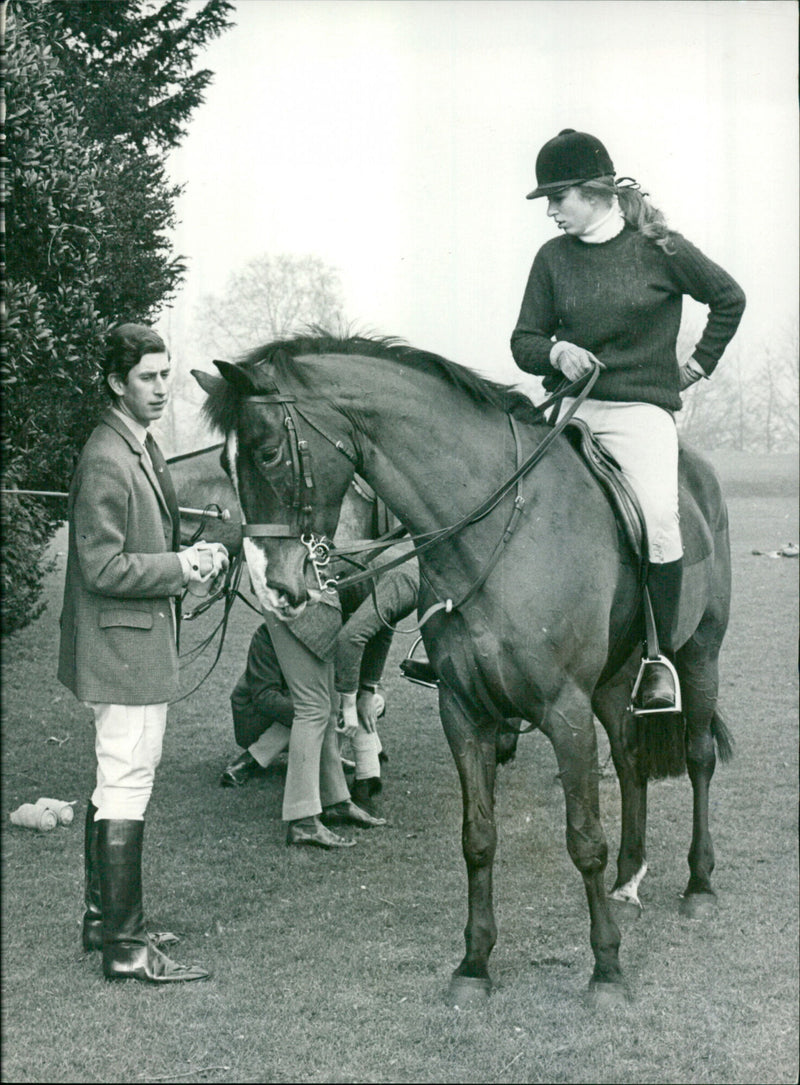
[[128, 951], [93, 916], [657, 689]]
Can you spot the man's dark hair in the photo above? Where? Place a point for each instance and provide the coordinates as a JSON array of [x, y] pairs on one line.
[[126, 345]]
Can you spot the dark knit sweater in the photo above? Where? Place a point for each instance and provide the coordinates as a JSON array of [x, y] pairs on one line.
[[622, 300]]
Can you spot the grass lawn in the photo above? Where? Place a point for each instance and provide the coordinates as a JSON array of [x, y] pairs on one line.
[[332, 967]]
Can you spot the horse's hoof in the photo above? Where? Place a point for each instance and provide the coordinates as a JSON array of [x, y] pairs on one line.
[[624, 908], [467, 990], [698, 905], [607, 996]]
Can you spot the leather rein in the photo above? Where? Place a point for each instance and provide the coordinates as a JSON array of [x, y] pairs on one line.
[[321, 550]]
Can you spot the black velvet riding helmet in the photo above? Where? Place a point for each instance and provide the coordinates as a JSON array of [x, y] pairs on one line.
[[570, 158]]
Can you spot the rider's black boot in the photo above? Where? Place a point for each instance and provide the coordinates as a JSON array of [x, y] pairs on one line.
[[657, 689], [128, 951], [92, 936]]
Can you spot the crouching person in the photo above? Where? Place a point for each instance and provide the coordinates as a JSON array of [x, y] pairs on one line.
[[261, 703], [118, 649]]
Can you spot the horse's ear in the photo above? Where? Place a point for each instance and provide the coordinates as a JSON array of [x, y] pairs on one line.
[[207, 381], [238, 377]]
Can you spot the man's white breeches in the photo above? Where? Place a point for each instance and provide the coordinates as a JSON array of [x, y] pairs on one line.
[[643, 440], [128, 742]]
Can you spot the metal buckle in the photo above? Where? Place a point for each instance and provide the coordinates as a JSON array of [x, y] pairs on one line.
[[319, 554]]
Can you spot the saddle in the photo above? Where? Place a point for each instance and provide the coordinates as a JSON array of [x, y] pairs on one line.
[[695, 533]]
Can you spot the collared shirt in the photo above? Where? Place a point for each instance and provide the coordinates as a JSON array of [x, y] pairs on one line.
[[137, 429]]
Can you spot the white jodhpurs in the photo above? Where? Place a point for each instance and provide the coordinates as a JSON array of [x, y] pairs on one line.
[[128, 743], [643, 440]]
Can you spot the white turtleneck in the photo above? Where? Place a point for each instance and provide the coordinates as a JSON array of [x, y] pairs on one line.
[[605, 228]]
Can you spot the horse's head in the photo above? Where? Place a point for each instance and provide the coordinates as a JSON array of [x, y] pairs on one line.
[[290, 476]]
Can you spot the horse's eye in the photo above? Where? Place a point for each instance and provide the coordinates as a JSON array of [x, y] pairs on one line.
[[268, 457]]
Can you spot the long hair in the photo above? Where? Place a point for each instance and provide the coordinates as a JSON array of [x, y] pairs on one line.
[[636, 208]]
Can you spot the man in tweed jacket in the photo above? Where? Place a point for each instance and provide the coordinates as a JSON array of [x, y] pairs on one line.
[[118, 640]]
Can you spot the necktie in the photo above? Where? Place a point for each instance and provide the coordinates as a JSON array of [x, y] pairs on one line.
[[167, 489]]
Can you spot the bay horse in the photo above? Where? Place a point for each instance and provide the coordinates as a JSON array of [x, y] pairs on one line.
[[550, 633]]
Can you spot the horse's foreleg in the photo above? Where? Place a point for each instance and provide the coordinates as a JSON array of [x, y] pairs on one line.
[[699, 684], [570, 727], [611, 705], [473, 747]]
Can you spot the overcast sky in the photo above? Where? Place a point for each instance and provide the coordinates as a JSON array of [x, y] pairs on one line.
[[396, 139]]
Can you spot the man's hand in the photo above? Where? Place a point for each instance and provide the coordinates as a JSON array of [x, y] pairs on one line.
[[368, 705], [349, 722], [206, 561]]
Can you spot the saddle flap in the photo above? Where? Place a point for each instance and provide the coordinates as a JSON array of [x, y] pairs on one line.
[[695, 531], [614, 484]]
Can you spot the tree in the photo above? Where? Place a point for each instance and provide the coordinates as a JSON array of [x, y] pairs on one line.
[[272, 297], [87, 214], [749, 407]]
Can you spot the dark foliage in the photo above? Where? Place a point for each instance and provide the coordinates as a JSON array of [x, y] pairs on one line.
[[96, 93], [23, 527]]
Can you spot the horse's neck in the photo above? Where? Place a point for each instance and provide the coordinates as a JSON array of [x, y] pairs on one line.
[[433, 457]]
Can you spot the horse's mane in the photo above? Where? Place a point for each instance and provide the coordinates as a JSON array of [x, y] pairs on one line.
[[221, 406]]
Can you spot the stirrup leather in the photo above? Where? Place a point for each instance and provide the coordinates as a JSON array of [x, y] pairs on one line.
[[647, 661]]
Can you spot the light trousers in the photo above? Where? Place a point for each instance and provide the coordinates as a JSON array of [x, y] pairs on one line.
[[643, 440], [128, 744], [274, 741], [314, 775]]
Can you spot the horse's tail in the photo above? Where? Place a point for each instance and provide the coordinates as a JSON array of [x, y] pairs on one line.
[[723, 737], [662, 749]]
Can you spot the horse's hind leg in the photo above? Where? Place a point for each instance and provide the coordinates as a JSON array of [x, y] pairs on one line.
[[569, 725], [697, 668], [473, 748], [611, 705]]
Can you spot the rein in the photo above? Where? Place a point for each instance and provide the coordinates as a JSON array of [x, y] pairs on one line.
[[426, 541], [320, 550]]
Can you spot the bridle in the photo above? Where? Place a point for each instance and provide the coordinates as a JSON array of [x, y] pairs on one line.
[[319, 547], [321, 550]]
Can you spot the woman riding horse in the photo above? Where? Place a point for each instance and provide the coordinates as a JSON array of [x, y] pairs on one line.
[[609, 293]]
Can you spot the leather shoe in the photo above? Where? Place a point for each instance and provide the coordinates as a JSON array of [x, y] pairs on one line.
[[143, 961], [657, 689], [363, 793], [348, 812], [240, 771], [311, 831]]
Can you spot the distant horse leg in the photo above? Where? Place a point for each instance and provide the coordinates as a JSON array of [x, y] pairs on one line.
[[699, 683], [570, 727], [611, 705], [473, 747]]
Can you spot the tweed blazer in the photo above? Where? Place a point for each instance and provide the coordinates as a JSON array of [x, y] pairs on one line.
[[117, 622]]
